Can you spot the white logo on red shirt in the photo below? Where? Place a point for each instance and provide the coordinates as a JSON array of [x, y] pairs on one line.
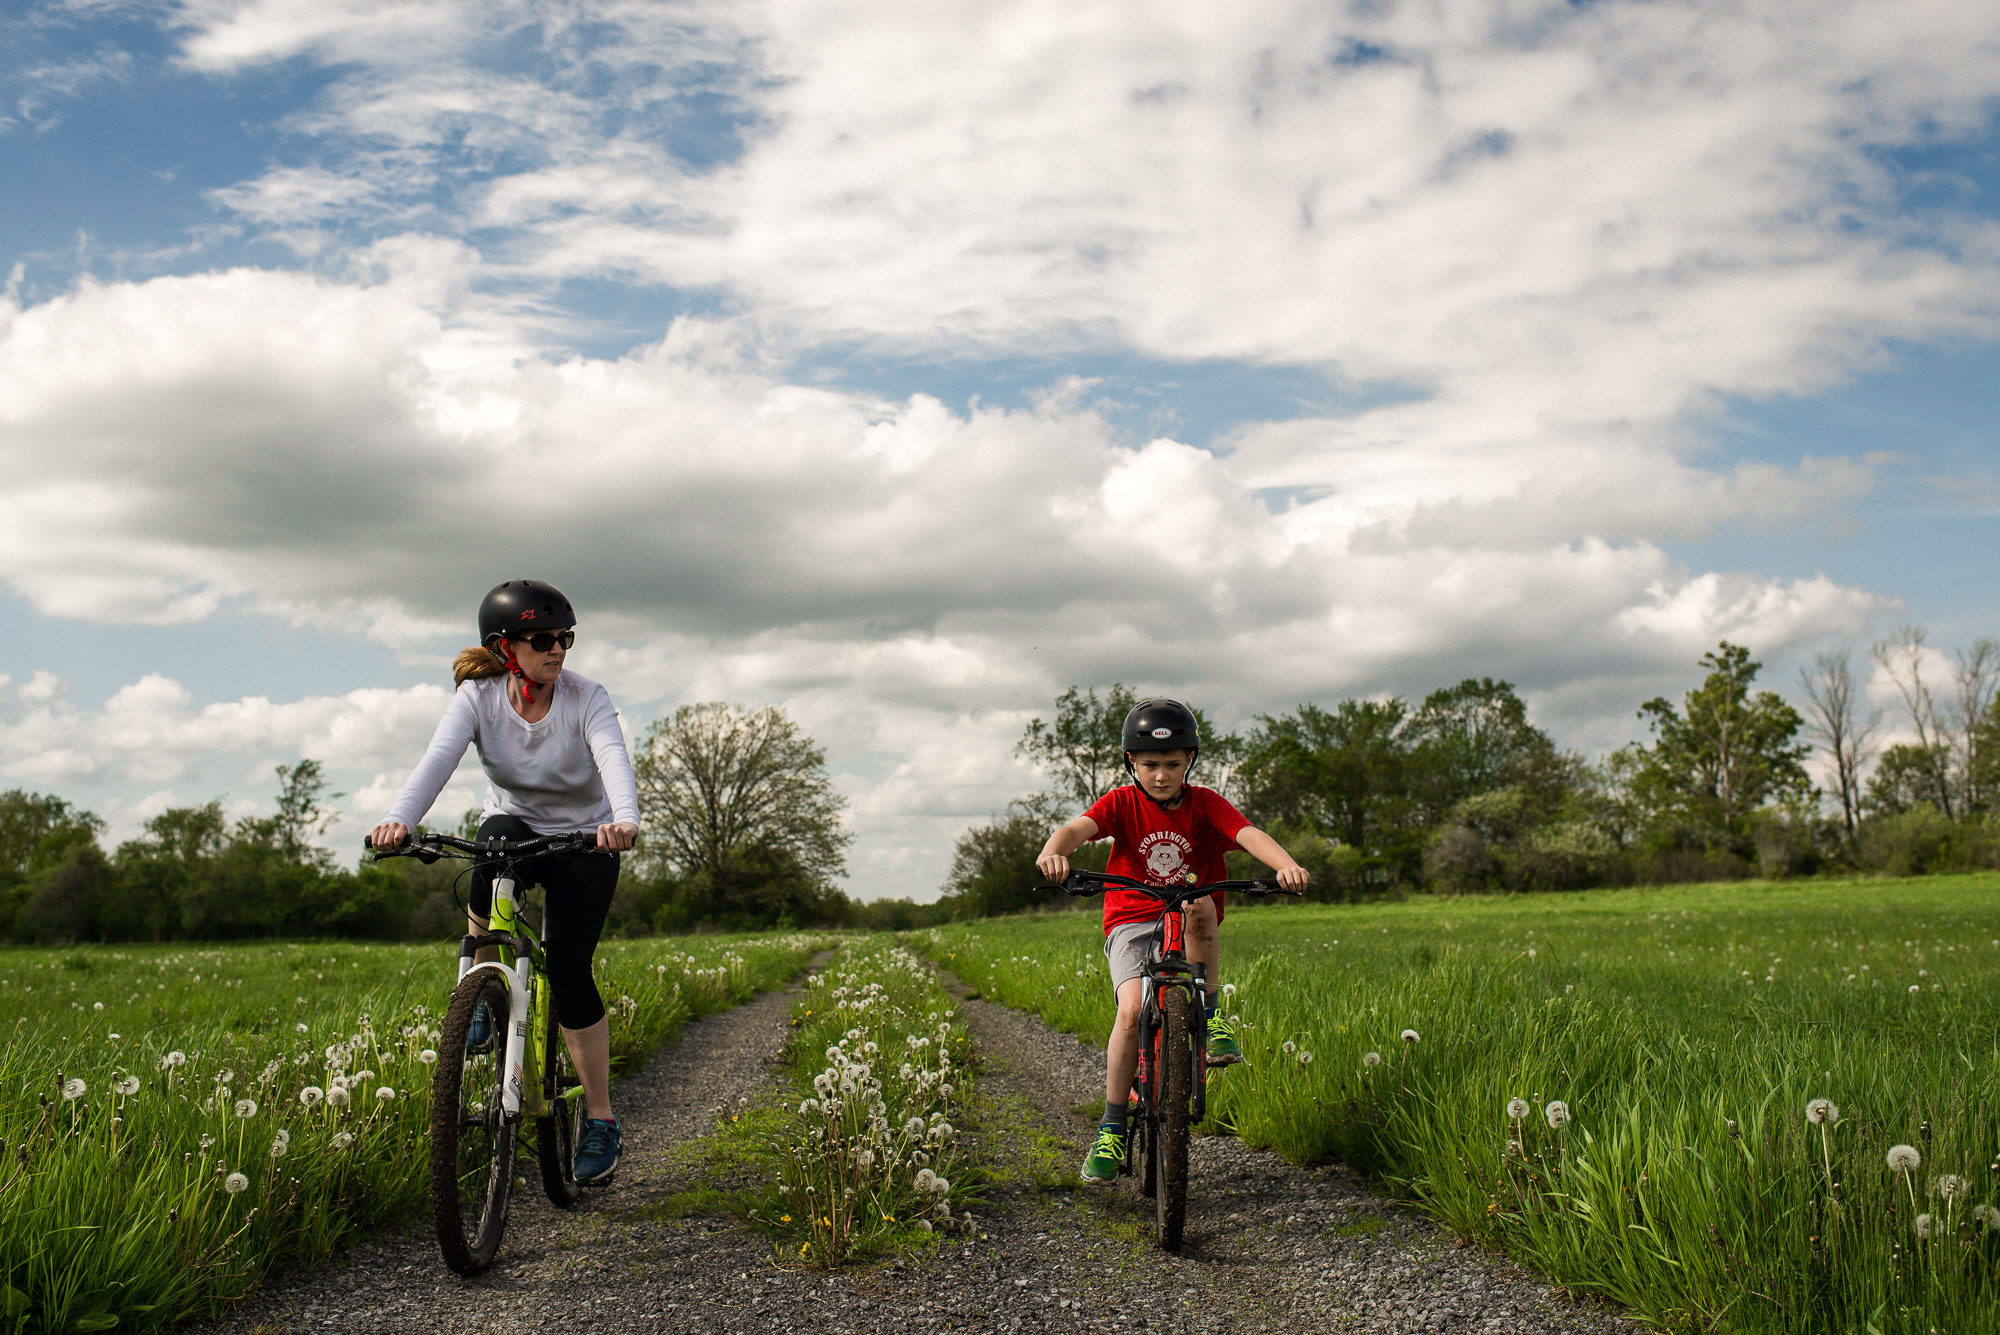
[[1165, 853]]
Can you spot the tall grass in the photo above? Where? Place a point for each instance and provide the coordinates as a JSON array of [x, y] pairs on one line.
[[877, 1066], [177, 1121], [1684, 1030]]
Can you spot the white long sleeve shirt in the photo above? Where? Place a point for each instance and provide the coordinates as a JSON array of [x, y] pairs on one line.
[[569, 772]]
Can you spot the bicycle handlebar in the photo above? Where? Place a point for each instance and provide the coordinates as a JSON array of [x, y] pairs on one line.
[[1081, 882], [429, 847]]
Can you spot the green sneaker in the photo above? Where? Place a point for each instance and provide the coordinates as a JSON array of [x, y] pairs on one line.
[[1106, 1157], [1223, 1049]]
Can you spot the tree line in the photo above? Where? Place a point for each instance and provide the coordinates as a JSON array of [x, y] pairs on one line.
[[1461, 793], [744, 830]]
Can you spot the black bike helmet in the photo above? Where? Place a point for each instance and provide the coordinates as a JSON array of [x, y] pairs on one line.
[[520, 606], [1160, 724]]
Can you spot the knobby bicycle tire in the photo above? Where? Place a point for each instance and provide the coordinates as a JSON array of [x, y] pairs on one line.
[[556, 1132], [472, 1140], [1149, 1115], [1176, 1076]]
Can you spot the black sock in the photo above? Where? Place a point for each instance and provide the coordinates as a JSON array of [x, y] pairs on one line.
[[1114, 1114]]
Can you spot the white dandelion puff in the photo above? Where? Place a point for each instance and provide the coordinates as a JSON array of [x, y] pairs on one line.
[[343, 1139], [1558, 1114], [1904, 1158], [1923, 1220], [1371, 1059], [73, 1089], [427, 1056], [311, 1095], [126, 1085], [386, 1094], [1950, 1186], [235, 1183], [1821, 1112], [1518, 1108], [1411, 1036], [246, 1107]]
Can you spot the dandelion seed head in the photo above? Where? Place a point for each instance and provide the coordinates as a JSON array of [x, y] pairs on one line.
[[338, 1097], [73, 1089], [246, 1107], [1904, 1158], [1518, 1108], [126, 1085], [343, 1139], [1821, 1112], [1923, 1226], [1558, 1114], [1410, 1036], [1305, 1058], [235, 1183], [1371, 1059], [427, 1056], [1950, 1186], [311, 1095]]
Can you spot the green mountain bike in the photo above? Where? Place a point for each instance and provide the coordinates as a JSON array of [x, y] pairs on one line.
[[483, 1087]]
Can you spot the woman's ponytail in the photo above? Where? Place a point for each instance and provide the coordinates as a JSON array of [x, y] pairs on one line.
[[474, 662]]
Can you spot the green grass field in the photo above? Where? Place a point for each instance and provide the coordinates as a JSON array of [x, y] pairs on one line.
[[1685, 1029], [179, 1120]]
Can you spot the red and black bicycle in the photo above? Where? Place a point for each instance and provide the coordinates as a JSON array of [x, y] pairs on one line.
[[1173, 1044]]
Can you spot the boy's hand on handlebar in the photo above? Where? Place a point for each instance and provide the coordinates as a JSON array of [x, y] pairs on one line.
[[617, 837], [388, 835], [1054, 866], [1294, 877]]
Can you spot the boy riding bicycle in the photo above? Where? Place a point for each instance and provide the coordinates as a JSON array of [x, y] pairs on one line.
[[1164, 832]]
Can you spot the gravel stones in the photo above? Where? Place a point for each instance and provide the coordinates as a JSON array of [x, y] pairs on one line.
[[1270, 1246]]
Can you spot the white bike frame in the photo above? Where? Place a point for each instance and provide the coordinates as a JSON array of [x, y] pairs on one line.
[[520, 976]]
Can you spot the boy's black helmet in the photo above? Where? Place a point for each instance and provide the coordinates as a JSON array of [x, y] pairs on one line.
[[523, 605], [1161, 725]]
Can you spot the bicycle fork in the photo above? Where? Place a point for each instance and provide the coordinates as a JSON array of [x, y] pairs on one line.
[[522, 1089]]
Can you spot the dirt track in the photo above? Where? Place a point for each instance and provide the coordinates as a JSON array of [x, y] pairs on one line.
[[1270, 1246]]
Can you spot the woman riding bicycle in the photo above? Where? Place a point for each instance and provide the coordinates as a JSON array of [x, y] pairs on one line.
[[555, 763]]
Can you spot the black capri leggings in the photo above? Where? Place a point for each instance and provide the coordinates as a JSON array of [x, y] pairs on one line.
[[578, 899]]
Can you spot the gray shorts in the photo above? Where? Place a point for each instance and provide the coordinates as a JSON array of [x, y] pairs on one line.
[[1127, 947]]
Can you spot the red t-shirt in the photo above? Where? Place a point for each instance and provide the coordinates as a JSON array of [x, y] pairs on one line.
[[1161, 847]]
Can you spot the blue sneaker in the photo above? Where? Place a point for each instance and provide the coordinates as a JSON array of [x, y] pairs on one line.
[[479, 1034], [597, 1151]]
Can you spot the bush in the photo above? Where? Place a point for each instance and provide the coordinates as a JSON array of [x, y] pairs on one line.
[[1458, 862], [1911, 842]]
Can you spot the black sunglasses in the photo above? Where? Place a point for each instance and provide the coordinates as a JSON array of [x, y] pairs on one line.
[[544, 640]]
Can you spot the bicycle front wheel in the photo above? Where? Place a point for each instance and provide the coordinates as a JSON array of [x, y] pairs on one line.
[[556, 1131], [472, 1138], [1175, 1083]]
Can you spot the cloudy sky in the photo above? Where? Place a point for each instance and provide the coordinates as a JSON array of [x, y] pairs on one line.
[[903, 364]]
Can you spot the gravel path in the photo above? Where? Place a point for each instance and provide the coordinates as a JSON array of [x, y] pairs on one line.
[[1269, 1246]]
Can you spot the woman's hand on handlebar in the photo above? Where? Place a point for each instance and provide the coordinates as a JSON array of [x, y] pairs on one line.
[[617, 837], [1294, 877], [390, 834], [1054, 866]]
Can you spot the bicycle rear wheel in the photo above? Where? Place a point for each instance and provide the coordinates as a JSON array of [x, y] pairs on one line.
[[556, 1132], [472, 1139], [1175, 1080]]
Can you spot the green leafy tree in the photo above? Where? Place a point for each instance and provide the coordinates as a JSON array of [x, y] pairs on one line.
[[1475, 738], [1342, 773], [38, 832], [1727, 751], [728, 795]]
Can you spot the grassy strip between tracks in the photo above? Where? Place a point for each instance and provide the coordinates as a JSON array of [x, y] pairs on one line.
[[1620, 1087], [860, 1155], [180, 1120]]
